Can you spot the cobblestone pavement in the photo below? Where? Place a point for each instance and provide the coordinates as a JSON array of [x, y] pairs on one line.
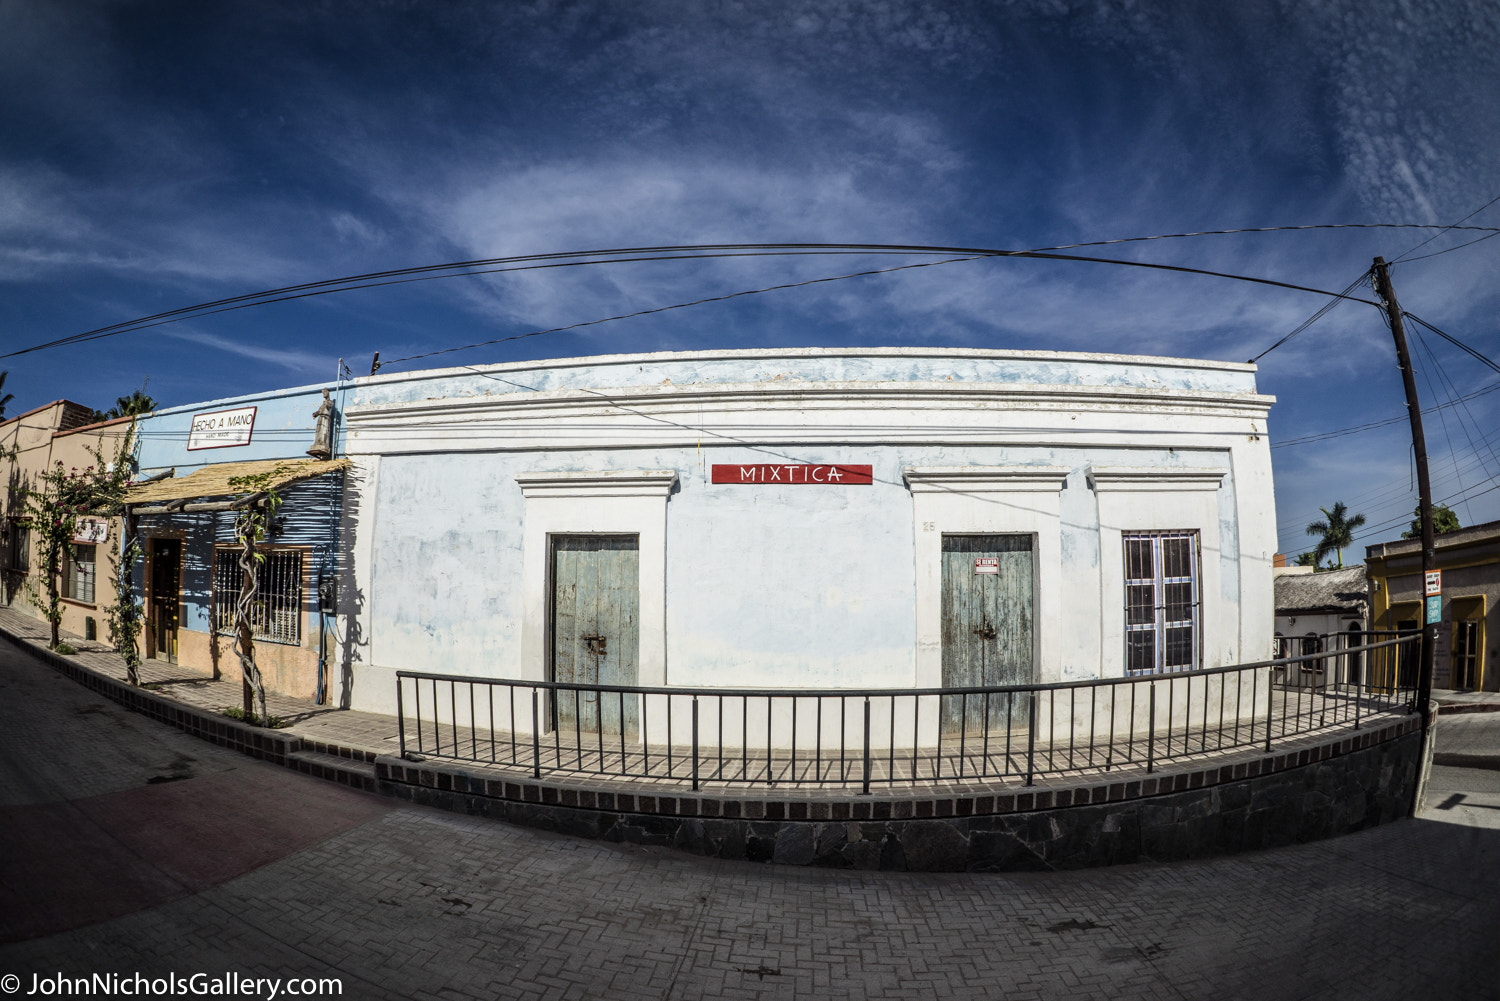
[[402, 902]]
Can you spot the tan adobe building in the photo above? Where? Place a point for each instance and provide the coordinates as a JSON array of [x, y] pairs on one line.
[[1469, 633], [30, 443]]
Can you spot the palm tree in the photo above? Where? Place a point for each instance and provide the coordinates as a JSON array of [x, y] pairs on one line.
[[7, 397], [1337, 531]]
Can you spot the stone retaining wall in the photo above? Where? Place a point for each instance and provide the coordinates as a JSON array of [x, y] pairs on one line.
[[1335, 787]]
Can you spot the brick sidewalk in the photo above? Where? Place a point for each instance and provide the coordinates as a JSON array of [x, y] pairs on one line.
[[369, 733]]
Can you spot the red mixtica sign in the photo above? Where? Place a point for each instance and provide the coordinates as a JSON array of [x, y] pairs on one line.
[[798, 473]]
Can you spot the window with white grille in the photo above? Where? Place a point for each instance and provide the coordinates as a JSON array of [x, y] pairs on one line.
[[276, 609], [1162, 602], [78, 573]]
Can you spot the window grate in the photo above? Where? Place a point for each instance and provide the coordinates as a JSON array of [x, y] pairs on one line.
[[276, 610], [1162, 602]]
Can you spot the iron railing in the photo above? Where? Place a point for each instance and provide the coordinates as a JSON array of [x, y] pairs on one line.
[[842, 737]]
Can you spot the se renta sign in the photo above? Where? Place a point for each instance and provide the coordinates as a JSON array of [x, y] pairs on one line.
[[987, 564], [795, 473], [222, 429]]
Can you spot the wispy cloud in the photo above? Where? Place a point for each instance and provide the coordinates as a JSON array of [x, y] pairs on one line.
[[305, 363]]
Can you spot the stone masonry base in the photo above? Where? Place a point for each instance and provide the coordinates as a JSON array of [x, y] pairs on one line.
[[1337, 787]]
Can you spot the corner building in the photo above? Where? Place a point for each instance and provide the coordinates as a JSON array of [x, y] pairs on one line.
[[805, 518]]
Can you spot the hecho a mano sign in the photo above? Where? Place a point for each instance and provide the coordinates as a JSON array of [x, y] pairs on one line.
[[795, 473], [222, 429], [90, 530]]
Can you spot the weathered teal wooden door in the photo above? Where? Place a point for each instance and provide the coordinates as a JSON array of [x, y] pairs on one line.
[[987, 627], [595, 630]]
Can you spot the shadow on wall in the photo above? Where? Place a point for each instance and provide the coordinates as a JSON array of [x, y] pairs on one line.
[[350, 602], [307, 518]]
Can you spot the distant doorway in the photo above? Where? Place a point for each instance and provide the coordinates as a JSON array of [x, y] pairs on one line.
[[166, 598]]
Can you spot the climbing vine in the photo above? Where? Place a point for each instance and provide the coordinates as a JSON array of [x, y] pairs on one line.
[[251, 526], [61, 498]]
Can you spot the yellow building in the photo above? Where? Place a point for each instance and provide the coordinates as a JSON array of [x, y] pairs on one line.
[[1466, 656]]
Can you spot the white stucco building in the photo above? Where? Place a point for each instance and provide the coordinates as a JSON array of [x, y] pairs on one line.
[[806, 518]]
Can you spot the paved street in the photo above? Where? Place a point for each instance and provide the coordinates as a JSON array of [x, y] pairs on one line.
[[126, 846]]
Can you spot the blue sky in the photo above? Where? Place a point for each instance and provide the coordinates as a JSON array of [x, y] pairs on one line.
[[154, 155]]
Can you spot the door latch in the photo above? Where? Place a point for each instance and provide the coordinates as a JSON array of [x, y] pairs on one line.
[[596, 645]]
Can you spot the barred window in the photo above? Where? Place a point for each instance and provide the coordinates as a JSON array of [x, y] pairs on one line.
[[1162, 603], [20, 547], [78, 573], [276, 609]]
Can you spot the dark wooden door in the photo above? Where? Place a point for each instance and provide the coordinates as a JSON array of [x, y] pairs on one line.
[[987, 609], [595, 631], [166, 596]]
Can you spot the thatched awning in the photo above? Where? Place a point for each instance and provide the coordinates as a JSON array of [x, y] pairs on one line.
[[211, 483]]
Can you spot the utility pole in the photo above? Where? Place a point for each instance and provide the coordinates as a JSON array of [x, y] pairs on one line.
[[1387, 294]]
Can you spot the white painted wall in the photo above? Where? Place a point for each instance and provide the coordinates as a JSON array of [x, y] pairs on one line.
[[797, 586]]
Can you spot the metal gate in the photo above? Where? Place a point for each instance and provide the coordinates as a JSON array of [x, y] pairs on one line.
[[988, 634], [595, 631]]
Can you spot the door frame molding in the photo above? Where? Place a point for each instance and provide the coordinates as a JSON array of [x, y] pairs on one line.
[[611, 502], [986, 500]]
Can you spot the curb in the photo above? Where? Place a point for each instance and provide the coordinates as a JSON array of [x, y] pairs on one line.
[[1455, 708], [1460, 759], [273, 746]]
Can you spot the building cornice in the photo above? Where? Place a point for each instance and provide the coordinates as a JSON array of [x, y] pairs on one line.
[[606, 483], [985, 479], [1166, 478]]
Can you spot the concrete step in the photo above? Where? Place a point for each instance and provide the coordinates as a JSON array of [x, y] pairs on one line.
[[357, 774]]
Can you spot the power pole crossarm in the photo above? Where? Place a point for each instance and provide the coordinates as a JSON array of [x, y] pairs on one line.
[[1387, 293]]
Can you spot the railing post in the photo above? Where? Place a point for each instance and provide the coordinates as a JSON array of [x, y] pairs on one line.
[[865, 790], [695, 743], [1151, 732], [1357, 699], [1270, 713], [536, 740], [1031, 742], [401, 715]]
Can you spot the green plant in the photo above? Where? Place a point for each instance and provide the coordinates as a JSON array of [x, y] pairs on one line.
[[1443, 520], [64, 648], [271, 722], [55, 505], [124, 615], [1337, 531], [134, 405]]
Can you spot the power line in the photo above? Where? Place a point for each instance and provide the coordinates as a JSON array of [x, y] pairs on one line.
[[680, 305], [1454, 341], [1442, 417], [1446, 229], [678, 252], [1358, 428], [1461, 246], [1314, 318]]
